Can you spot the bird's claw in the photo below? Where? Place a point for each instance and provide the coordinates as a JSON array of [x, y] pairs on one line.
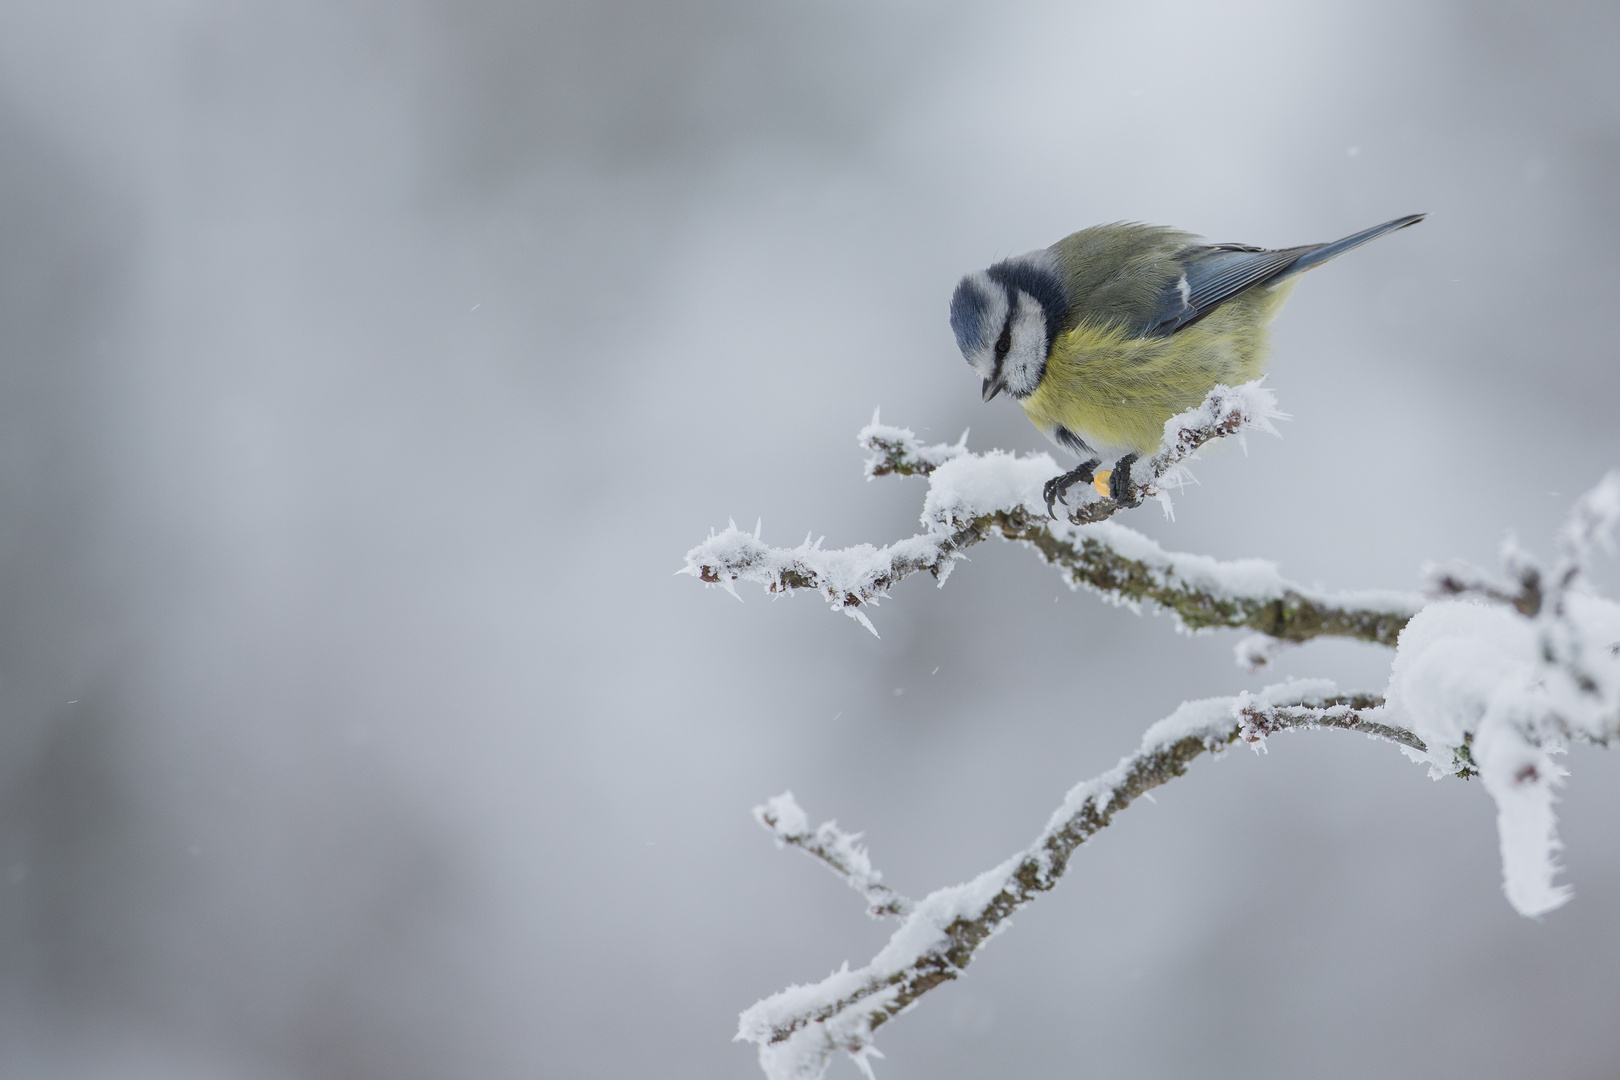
[[1058, 487], [1120, 487], [1052, 492]]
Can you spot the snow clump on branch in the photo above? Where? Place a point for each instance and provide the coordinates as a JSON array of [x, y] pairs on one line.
[[1498, 683]]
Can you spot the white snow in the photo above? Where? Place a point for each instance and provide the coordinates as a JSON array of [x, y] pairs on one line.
[[1455, 658], [781, 814], [974, 484], [1520, 776]]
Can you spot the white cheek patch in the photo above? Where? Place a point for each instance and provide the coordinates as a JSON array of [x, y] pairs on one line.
[[983, 355], [1026, 359]]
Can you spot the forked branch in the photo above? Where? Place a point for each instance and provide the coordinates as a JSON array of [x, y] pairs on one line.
[[798, 1030]]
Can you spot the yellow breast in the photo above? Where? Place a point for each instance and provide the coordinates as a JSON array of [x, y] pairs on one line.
[[1116, 392]]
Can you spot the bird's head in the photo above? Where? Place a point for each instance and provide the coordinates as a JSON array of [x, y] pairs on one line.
[[1006, 319]]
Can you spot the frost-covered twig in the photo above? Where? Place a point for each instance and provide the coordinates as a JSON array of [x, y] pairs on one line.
[[897, 451], [799, 1029], [973, 497], [840, 851], [1461, 579]]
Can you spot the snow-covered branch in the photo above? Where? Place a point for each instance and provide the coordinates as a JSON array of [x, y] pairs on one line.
[[973, 497], [897, 451], [799, 1029], [1477, 689]]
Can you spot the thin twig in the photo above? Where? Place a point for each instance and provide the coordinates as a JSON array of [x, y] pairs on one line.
[[840, 851]]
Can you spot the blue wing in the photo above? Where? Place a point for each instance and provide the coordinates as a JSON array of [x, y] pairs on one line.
[[1212, 275]]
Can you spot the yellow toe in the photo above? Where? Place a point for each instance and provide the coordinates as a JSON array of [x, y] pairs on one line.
[[1101, 481]]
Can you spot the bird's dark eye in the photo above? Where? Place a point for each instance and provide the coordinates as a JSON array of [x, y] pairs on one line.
[[1004, 342]]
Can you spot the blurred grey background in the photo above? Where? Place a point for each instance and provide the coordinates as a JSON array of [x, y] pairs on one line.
[[366, 369]]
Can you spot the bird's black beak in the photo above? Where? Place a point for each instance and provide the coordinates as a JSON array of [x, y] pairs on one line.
[[992, 387]]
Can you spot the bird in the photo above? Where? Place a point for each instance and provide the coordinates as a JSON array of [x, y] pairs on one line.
[[1108, 333]]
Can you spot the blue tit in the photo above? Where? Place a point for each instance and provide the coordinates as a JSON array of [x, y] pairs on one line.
[[1108, 333]]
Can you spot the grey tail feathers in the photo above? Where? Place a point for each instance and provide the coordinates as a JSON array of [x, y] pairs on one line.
[[1316, 257]]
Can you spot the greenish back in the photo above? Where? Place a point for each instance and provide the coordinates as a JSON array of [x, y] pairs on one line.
[[1117, 275]]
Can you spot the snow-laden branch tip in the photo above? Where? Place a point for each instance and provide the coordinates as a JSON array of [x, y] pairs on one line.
[[1499, 688], [973, 497], [896, 451], [799, 1029], [839, 851]]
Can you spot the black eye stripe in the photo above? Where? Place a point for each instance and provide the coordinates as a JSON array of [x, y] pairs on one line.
[[1041, 285], [1004, 342]]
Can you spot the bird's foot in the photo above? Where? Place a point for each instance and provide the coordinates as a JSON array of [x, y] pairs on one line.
[[1057, 487], [1120, 487]]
